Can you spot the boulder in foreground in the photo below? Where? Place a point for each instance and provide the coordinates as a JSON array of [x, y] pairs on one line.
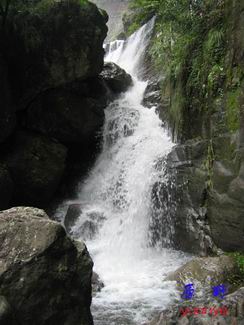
[[44, 275]]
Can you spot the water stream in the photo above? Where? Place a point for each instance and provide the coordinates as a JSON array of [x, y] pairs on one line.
[[117, 203]]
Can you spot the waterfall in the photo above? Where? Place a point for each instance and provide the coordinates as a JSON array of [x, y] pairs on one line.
[[116, 201]]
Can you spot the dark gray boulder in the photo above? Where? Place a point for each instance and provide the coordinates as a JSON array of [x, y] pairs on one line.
[[44, 275], [116, 78], [36, 165], [208, 271], [53, 44]]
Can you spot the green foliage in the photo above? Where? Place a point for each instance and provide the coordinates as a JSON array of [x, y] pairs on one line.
[[132, 28], [33, 6], [237, 278], [189, 49], [233, 110], [239, 258]]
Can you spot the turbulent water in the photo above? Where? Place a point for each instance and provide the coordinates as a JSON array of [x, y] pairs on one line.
[[117, 203]]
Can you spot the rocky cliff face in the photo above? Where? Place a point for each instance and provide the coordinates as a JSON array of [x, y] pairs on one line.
[[52, 96], [202, 104], [210, 165]]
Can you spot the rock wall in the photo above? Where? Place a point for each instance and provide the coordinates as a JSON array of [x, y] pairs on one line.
[[45, 48], [207, 168], [52, 97], [202, 106]]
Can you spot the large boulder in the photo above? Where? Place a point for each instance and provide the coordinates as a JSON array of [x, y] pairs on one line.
[[205, 271], [44, 275], [52, 43], [36, 165], [116, 78]]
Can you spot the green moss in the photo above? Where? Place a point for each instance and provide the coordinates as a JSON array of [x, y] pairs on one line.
[[233, 110]]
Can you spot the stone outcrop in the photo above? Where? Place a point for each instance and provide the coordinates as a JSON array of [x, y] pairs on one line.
[[51, 45], [207, 271], [53, 97], [116, 78], [44, 275]]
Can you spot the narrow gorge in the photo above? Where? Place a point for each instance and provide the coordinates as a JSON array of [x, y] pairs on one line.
[[121, 162]]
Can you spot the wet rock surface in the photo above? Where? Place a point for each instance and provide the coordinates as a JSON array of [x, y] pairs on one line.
[[43, 269], [73, 213], [97, 283], [202, 196], [152, 95], [205, 270], [180, 198], [116, 78]]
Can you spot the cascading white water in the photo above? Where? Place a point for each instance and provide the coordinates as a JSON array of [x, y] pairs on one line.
[[116, 201]]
